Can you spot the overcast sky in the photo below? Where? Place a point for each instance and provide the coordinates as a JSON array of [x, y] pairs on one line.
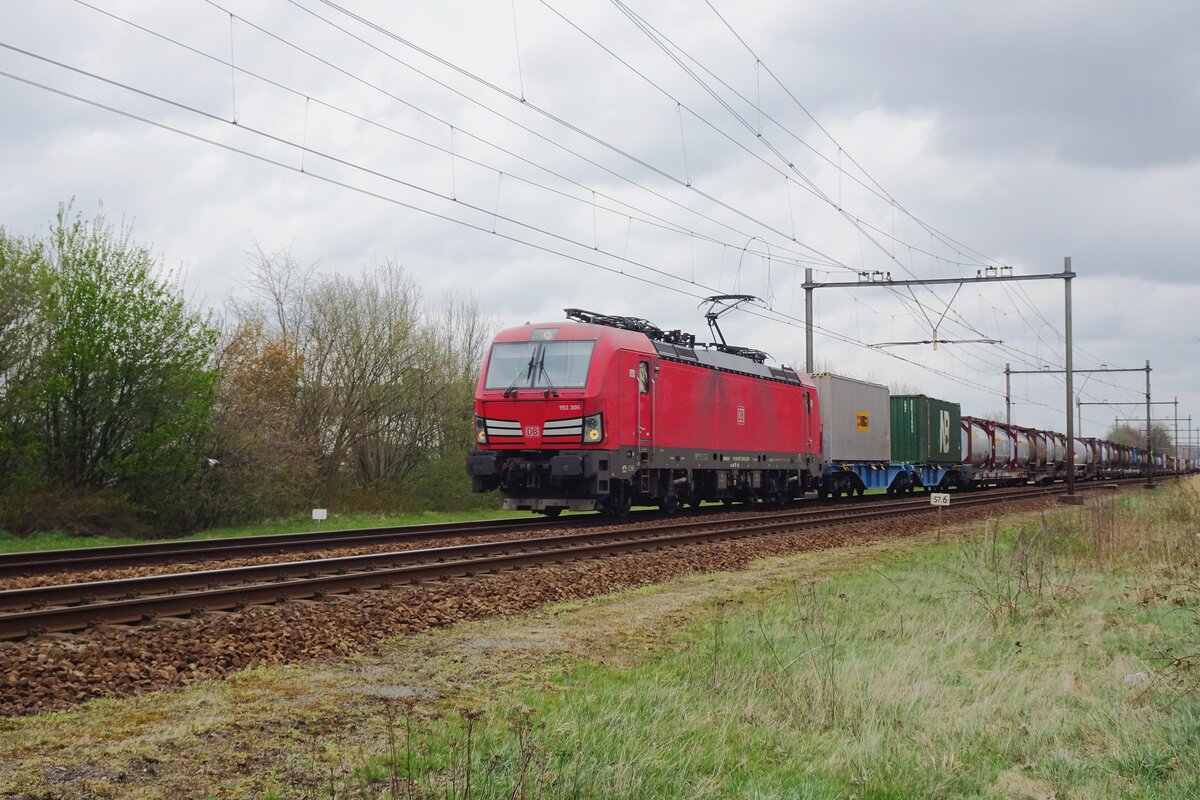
[[655, 159]]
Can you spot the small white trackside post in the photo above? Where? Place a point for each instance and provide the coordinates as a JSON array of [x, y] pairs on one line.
[[941, 500]]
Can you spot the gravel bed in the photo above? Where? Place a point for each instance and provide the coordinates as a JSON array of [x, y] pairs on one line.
[[53, 672]]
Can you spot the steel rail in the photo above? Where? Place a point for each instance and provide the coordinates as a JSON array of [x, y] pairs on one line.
[[91, 591], [130, 555], [186, 593], [38, 562]]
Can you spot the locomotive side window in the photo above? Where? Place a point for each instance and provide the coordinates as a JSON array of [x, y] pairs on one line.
[[808, 403], [643, 377]]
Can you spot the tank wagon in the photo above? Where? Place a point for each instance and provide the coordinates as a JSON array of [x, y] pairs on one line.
[[601, 412]]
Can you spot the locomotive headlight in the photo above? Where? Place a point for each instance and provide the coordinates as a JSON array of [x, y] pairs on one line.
[[593, 429], [480, 430]]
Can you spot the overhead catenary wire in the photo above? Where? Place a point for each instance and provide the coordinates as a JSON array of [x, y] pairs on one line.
[[658, 38], [645, 216], [883, 192], [690, 233], [856, 221], [768, 314], [955, 244], [494, 213], [491, 85], [816, 254], [496, 88], [599, 141]]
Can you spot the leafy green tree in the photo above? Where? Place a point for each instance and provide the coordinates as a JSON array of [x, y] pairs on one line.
[[123, 384], [1136, 437], [1126, 435], [21, 279]]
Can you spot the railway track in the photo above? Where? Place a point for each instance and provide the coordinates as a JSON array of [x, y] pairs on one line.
[[154, 553], [77, 606], [43, 562]]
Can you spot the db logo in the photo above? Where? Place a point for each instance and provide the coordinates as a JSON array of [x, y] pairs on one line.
[[531, 431], [741, 415]]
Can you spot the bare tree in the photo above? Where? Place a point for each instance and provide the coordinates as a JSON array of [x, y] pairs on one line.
[[280, 286], [383, 387]]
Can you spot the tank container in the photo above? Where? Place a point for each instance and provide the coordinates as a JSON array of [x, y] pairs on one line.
[[1041, 448], [1024, 447], [976, 443], [1060, 448]]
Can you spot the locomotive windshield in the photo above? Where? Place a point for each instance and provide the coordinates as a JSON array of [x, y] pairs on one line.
[[539, 365]]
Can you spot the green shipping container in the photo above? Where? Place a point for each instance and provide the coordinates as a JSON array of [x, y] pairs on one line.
[[925, 430]]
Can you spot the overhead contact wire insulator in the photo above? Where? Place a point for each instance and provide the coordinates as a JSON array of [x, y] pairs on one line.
[[687, 177], [758, 94], [496, 211], [517, 43], [304, 135], [232, 73], [453, 171]]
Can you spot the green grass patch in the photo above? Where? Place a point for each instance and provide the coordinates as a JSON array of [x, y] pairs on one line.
[[1041, 660], [54, 540]]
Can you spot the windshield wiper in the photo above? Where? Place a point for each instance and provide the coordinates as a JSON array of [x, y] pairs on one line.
[[550, 391], [512, 387]]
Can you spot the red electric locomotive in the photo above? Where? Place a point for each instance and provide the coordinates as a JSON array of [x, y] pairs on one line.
[[600, 412]]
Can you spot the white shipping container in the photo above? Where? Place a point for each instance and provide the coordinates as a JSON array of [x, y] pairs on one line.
[[856, 418]]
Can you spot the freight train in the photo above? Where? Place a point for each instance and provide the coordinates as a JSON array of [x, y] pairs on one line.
[[603, 412]]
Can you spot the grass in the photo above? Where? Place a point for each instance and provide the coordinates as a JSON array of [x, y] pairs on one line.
[[1045, 657], [1033, 661], [53, 540]]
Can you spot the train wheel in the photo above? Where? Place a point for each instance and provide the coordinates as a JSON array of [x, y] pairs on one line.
[[620, 500], [551, 512], [669, 504]]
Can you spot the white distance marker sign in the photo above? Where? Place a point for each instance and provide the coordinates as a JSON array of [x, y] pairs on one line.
[[939, 499]]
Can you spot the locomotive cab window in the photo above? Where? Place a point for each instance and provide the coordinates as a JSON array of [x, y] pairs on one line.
[[643, 377], [555, 364]]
